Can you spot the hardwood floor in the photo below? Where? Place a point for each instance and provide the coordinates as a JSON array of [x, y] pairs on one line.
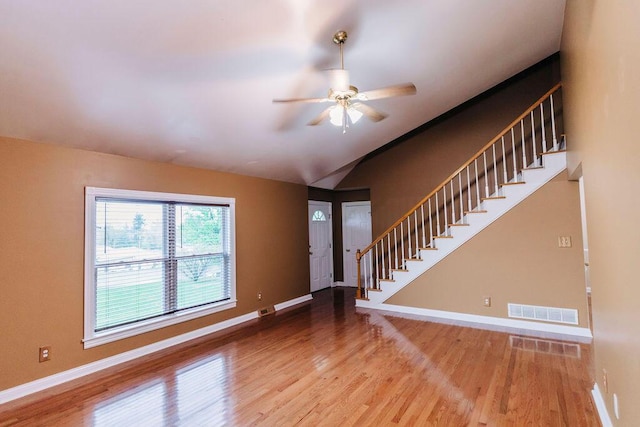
[[324, 363]]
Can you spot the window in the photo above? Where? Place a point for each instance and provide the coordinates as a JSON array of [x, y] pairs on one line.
[[318, 216], [155, 259]]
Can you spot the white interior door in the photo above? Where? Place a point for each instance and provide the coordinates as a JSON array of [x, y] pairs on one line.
[[356, 234], [320, 243]]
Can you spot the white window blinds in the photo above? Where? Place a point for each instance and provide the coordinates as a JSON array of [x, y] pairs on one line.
[[156, 258]]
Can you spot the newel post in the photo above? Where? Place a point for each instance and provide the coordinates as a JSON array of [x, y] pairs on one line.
[[358, 291]]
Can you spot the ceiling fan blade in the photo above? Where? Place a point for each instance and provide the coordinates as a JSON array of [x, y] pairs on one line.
[[310, 100], [388, 92], [371, 113], [320, 118]]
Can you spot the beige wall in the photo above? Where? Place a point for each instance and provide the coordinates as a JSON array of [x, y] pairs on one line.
[[402, 175], [601, 72], [42, 244], [514, 260]]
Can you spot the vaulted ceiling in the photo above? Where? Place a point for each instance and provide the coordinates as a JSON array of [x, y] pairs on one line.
[[192, 82]]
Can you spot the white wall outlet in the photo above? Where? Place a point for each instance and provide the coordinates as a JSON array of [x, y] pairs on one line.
[[564, 241], [486, 301], [259, 296], [44, 354]]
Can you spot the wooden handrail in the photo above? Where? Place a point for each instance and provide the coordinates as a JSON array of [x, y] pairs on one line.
[[460, 169]]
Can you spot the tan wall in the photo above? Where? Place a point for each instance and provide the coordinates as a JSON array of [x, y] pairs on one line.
[[42, 248], [402, 175], [514, 260], [601, 71]]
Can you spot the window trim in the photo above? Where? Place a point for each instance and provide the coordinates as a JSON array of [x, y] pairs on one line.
[[92, 338]]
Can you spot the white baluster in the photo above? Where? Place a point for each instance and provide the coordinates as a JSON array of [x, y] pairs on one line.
[[415, 220], [544, 135], [469, 204], [401, 245], [461, 198], [453, 205], [395, 243], [444, 211], [363, 274], [513, 155], [504, 163], [383, 265], [533, 136], [379, 268], [475, 163], [424, 235], [486, 175], [553, 125], [495, 170], [371, 265], [403, 257], [431, 222], [437, 216], [524, 149], [389, 255], [410, 253]]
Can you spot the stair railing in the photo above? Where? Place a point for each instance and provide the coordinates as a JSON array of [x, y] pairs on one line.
[[519, 146]]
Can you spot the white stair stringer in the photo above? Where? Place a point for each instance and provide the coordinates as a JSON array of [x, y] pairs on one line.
[[535, 178]]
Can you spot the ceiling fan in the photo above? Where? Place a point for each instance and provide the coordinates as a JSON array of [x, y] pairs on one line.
[[348, 106]]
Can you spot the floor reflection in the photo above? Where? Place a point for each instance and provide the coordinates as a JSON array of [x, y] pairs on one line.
[[142, 406], [198, 394], [203, 392]]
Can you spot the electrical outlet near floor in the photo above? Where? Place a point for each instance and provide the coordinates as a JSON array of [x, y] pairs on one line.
[[44, 354], [259, 296], [486, 301]]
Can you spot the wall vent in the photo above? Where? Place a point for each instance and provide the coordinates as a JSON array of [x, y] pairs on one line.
[[265, 311], [545, 314]]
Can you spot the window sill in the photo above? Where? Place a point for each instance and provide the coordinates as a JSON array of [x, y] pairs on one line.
[[116, 334]]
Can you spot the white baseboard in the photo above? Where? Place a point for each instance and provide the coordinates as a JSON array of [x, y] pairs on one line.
[[35, 386], [292, 302], [338, 283], [484, 321], [601, 407]]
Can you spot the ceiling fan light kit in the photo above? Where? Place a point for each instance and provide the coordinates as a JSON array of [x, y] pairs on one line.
[[348, 107]]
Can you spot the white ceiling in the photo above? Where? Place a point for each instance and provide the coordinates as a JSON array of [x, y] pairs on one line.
[[191, 82]]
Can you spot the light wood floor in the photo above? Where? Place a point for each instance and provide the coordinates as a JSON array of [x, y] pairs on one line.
[[325, 363]]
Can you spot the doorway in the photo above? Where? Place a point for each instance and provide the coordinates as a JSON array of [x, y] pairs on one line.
[[320, 245], [356, 234]]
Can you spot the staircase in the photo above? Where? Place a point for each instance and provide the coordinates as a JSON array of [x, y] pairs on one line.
[[513, 165]]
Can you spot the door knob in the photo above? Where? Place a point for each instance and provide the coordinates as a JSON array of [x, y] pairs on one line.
[[348, 250], [310, 253]]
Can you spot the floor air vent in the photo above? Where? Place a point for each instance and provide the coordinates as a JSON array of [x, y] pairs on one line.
[[265, 311], [545, 314]]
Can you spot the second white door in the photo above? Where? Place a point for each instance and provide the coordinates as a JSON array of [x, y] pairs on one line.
[[356, 234]]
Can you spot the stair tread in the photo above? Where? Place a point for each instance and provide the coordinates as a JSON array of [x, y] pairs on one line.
[[443, 237], [399, 269], [552, 152], [374, 289], [493, 198], [457, 225], [513, 183], [413, 259], [428, 249], [533, 168], [386, 280]]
